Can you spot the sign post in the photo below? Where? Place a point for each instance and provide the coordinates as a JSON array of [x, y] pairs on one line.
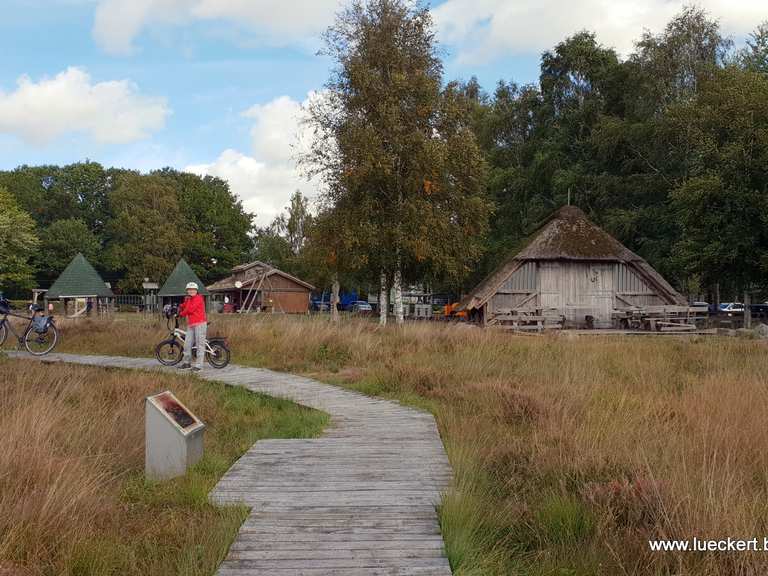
[[173, 437]]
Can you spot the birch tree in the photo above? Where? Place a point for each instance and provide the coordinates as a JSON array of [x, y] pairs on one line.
[[332, 252], [387, 140]]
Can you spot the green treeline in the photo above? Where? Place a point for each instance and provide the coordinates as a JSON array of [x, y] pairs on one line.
[[130, 226], [666, 148], [437, 181]]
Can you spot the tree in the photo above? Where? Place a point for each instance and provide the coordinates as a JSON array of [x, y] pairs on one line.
[[295, 224], [333, 253], [673, 62], [217, 227], [387, 144], [18, 243], [62, 241], [722, 202], [147, 234], [51, 193], [754, 56], [281, 244]]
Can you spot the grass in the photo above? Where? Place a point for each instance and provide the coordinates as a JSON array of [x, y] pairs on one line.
[[73, 496], [569, 453]]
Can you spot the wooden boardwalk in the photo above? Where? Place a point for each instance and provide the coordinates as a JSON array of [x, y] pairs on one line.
[[360, 501]]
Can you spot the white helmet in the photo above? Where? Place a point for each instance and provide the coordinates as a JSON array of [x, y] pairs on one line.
[[192, 286]]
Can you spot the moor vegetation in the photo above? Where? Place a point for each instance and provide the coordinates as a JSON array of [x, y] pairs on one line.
[[569, 453], [73, 498]]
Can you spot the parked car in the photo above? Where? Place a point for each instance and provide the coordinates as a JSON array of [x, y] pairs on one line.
[[711, 308], [731, 308], [361, 307], [320, 305], [759, 311]]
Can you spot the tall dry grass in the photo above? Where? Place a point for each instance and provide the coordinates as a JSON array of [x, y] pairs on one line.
[[569, 453], [73, 500]]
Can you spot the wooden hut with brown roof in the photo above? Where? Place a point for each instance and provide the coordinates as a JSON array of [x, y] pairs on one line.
[[259, 287], [573, 271]]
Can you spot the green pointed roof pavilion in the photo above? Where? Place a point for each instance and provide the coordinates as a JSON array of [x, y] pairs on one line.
[[79, 280], [177, 281]]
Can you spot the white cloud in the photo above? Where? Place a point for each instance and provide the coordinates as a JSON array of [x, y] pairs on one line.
[[275, 129], [109, 112], [118, 22], [485, 29], [265, 179]]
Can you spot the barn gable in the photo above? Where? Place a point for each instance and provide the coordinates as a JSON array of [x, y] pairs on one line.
[[571, 266]]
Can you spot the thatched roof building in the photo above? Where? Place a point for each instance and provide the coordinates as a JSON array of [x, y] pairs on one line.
[[574, 269]]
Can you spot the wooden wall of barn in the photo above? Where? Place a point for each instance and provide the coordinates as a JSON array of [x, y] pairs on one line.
[[519, 290], [576, 289], [286, 302], [285, 295]]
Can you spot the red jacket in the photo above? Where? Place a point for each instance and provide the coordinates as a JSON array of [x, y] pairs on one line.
[[193, 308]]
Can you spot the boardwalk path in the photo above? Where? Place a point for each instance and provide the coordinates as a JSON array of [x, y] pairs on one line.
[[360, 501]]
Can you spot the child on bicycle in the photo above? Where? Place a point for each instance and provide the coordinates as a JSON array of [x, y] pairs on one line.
[[193, 309]]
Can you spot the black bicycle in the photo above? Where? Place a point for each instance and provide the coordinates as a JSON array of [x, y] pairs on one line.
[[170, 351], [40, 335]]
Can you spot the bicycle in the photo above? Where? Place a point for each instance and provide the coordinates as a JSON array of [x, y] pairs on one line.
[[170, 351], [40, 335]]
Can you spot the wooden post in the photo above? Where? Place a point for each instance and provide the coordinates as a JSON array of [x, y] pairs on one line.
[[747, 311], [334, 305]]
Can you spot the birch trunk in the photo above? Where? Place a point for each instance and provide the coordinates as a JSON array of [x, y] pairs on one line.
[[747, 309], [335, 299], [383, 300], [397, 286]]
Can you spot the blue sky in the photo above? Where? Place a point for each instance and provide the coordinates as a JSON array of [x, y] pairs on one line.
[[215, 86]]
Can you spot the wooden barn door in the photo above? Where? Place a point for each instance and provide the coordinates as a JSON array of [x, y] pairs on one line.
[[550, 285], [588, 289], [600, 282]]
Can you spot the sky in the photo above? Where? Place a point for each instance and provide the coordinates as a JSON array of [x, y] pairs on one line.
[[217, 86]]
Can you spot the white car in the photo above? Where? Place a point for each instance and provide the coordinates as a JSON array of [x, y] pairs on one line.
[[732, 308]]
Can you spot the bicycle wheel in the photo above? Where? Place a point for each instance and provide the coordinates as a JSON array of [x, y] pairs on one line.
[[218, 357], [3, 333], [169, 352], [40, 343]]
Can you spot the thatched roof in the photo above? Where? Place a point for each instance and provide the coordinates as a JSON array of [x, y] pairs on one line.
[[252, 273], [569, 235], [79, 280]]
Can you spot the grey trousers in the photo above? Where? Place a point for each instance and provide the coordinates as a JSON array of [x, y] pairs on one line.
[[195, 337]]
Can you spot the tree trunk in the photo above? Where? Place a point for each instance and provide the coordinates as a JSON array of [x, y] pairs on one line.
[[383, 300], [397, 286], [334, 305]]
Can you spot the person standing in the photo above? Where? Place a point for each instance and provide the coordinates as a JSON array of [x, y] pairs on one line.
[[193, 309]]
